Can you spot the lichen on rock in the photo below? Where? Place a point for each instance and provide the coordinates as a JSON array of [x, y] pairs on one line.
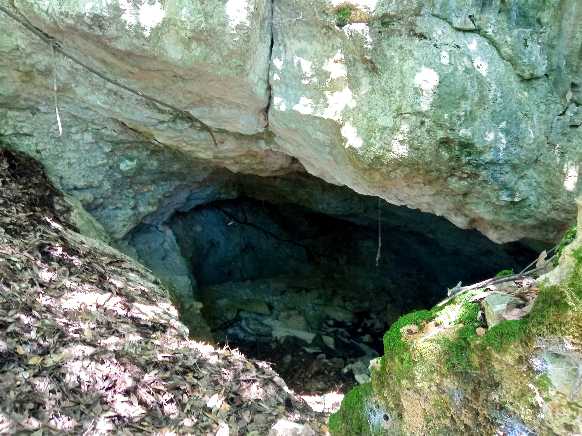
[[468, 112]]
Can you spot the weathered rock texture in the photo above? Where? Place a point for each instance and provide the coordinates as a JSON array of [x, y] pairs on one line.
[[452, 107], [464, 108], [456, 369]]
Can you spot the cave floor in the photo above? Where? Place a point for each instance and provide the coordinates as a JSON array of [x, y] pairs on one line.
[[319, 337]]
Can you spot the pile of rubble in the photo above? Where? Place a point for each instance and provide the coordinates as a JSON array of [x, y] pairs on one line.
[[301, 323]]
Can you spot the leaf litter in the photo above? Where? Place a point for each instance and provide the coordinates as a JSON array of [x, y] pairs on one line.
[[91, 344]]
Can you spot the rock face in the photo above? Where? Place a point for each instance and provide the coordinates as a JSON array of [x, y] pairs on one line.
[[124, 148], [465, 368], [434, 104], [519, 376], [463, 108]]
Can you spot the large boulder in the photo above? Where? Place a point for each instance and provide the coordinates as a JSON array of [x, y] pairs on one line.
[[459, 108], [206, 58], [143, 74], [463, 108]]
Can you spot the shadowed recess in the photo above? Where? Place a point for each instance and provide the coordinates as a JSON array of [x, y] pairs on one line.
[[309, 275]]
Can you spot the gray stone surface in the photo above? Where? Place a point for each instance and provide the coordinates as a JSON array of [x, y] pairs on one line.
[[416, 103], [463, 108], [156, 248], [497, 307], [121, 154], [564, 369]]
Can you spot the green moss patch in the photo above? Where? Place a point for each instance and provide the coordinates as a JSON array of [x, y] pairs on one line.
[[343, 15], [396, 348], [567, 239], [557, 311], [352, 418], [458, 350], [394, 345], [505, 333]]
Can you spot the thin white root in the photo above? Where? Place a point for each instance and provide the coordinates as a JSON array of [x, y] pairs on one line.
[[55, 89], [379, 252]]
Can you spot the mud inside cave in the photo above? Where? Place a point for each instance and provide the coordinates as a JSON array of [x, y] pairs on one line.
[[289, 270]]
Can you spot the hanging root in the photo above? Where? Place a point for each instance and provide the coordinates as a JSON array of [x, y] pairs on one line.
[[55, 89], [379, 252]]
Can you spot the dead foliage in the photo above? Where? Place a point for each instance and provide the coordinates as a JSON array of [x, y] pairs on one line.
[[90, 344]]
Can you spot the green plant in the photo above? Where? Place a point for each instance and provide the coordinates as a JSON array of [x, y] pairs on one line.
[[469, 315], [394, 345], [343, 15], [458, 350], [505, 273], [567, 239], [505, 333], [396, 349]]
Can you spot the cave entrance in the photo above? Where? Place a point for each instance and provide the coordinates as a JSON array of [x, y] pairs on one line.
[[309, 276]]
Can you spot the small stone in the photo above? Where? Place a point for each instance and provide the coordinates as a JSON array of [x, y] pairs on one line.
[[409, 329], [328, 341], [337, 362], [338, 314], [360, 369], [497, 306], [280, 332], [562, 367], [293, 320], [362, 378], [480, 331]]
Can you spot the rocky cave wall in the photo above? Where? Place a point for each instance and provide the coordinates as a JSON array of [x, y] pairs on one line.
[[290, 264], [246, 228], [465, 109]]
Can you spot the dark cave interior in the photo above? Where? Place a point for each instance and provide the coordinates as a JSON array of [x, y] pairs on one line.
[[309, 276]]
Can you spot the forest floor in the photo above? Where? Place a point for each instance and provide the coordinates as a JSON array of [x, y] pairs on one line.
[[91, 344]]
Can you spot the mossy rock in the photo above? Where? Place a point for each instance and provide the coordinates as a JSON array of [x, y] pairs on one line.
[[443, 378], [361, 414]]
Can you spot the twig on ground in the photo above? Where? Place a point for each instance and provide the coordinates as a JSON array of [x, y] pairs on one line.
[[526, 272]]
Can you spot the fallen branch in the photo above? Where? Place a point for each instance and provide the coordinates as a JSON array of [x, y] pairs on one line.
[[526, 272]]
